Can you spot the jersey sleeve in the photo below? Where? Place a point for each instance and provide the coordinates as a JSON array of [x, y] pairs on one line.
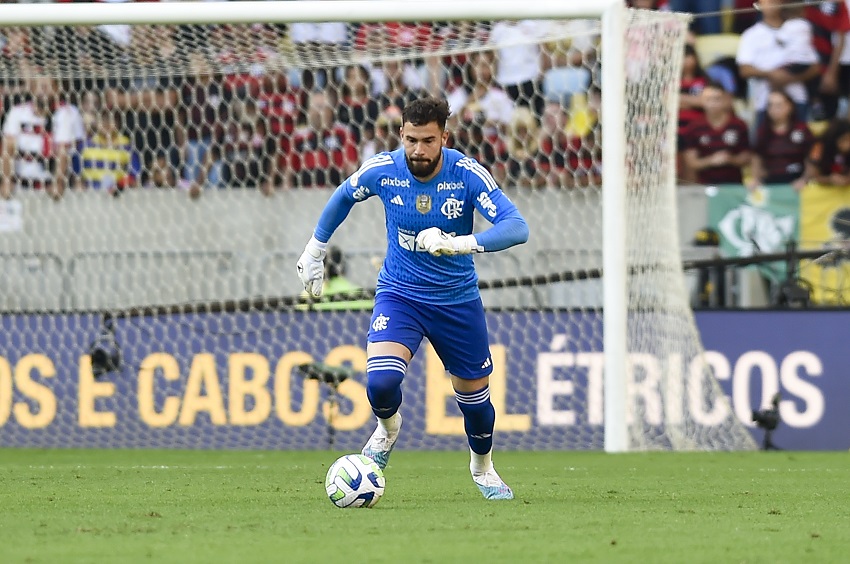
[[361, 185], [509, 227]]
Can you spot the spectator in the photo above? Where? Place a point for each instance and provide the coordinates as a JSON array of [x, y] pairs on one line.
[[763, 60], [584, 162], [410, 39], [830, 23], [152, 120], [317, 42], [782, 143], [245, 59], [716, 146], [204, 108], [518, 59], [484, 144], [396, 91], [484, 96], [323, 151], [660, 5], [523, 151], [107, 160], [706, 14], [156, 53], [829, 159], [386, 134], [692, 82], [584, 112], [161, 173], [90, 107], [248, 153], [554, 145], [39, 140], [280, 103], [564, 73], [358, 109]]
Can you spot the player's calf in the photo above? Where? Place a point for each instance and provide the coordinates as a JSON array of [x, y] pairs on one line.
[[385, 374], [479, 418]]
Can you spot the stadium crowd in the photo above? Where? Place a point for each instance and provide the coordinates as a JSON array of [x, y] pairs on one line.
[[206, 107]]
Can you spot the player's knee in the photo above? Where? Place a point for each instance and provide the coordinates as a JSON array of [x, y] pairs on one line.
[[385, 374]]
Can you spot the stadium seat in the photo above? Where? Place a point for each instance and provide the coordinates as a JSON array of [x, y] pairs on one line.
[[711, 48]]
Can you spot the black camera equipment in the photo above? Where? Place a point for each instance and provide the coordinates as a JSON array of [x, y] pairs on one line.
[[104, 351], [331, 376], [768, 419]]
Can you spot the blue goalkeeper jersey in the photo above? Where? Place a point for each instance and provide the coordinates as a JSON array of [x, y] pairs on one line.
[[448, 202]]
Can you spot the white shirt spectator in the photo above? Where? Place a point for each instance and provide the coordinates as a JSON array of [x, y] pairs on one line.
[[518, 50], [795, 36], [32, 141], [328, 32], [761, 47], [496, 105]]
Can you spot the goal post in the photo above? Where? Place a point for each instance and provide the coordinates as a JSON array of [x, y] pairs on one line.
[[219, 299]]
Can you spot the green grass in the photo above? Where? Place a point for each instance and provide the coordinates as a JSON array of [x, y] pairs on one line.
[[246, 507]]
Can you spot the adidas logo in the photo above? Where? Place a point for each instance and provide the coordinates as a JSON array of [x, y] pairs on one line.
[[486, 364], [397, 200]]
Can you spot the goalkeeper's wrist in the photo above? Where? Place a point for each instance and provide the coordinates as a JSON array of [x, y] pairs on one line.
[[466, 244], [316, 248]]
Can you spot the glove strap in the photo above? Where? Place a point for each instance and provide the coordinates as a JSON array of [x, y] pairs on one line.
[[316, 248], [467, 244]]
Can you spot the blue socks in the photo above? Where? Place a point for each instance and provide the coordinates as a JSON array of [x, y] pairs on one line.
[[383, 388], [479, 417]]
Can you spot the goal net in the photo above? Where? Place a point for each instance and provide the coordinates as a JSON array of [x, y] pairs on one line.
[[160, 182]]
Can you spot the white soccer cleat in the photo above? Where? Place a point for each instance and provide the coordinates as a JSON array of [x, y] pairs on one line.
[[492, 486], [380, 444]]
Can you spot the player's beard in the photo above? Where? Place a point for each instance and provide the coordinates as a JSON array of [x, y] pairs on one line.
[[423, 168]]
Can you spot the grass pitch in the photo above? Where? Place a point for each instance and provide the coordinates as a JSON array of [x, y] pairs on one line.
[[245, 507]]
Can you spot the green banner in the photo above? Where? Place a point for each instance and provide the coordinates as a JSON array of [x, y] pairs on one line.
[[753, 222]]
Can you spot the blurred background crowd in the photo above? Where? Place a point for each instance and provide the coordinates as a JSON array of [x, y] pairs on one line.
[[763, 100]]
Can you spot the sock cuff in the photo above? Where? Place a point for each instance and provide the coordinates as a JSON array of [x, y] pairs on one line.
[[473, 398], [388, 363]]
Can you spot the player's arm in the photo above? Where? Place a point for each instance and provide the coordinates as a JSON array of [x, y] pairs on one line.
[[509, 227], [356, 188]]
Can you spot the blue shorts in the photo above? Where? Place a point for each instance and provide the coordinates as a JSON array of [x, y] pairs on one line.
[[458, 332]]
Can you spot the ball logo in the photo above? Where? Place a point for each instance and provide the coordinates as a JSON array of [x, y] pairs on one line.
[[730, 137], [397, 182], [449, 186], [452, 208], [797, 136]]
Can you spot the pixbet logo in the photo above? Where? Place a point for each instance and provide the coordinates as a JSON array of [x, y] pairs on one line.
[[449, 186], [395, 182]]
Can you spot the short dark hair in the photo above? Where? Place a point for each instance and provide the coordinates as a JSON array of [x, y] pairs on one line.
[[426, 110]]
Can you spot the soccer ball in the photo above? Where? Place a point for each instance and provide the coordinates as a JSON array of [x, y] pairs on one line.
[[354, 480]]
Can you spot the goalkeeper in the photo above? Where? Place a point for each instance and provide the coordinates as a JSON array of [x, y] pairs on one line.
[[427, 286]]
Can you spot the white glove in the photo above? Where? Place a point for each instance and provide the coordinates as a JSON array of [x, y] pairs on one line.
[[311, 267], [436, 242]]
